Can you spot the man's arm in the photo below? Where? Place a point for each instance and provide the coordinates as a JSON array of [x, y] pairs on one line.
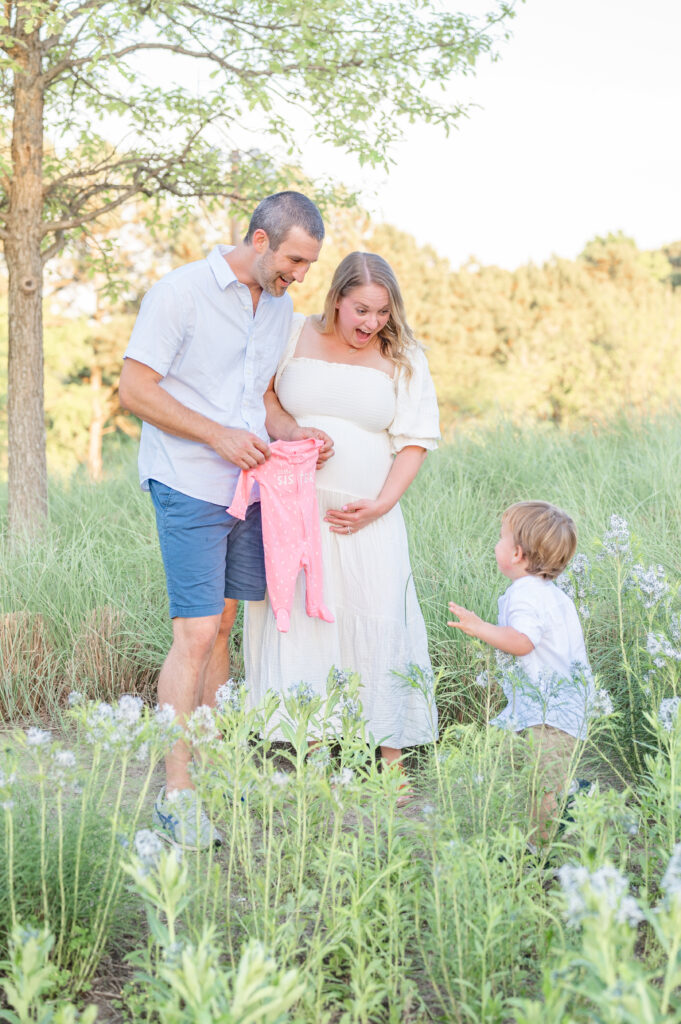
[[504, 638], [139, 392], [282, 427]]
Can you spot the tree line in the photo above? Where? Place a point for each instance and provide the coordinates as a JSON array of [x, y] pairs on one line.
[[567, 343]]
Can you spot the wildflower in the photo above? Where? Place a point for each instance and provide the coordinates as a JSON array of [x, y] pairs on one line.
[[129, 709], [167, 728], [172, 954], [647, 680], [116, 728], [7, 780], [675, 628], [302, 692], [651, 584], [201, 728], [630, 824], [616, 539], [577, 583], [428, 810], [320, 757], [142, 755], [164, 715], [344, 778], [668, 712], [478, 779], [98, 720], [591, 895], [63, 766], [601, 704], [228, 696], [340, 680], [482, 679], [505, 662], [420, 678], [75, 698], [279, 779], [38, 737], [349, 708], [148, 848], [671, 880], [659, 648], [564, 583]]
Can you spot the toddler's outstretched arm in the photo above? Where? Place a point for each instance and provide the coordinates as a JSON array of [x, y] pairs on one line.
[[504, 638]]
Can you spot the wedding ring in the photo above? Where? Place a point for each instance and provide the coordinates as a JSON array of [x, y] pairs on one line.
[[349, 529]]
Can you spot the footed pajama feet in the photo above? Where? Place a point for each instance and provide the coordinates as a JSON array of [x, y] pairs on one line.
[[284, 620]]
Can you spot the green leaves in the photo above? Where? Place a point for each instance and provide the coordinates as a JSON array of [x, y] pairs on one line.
[[357, 74]]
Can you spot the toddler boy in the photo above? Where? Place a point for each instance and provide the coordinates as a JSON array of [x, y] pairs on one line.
[[549, 687]]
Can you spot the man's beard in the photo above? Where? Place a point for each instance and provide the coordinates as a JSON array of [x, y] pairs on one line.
[[266, 275]]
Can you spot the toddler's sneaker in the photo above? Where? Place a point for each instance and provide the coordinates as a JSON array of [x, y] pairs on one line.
[[576, 786], [178, 820]]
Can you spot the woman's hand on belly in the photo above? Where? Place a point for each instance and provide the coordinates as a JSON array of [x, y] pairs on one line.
[[354, 516]]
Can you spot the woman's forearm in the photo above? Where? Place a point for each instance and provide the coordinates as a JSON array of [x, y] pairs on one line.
[[406, 465]]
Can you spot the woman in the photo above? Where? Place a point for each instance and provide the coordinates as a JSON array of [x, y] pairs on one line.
[[357, 372]]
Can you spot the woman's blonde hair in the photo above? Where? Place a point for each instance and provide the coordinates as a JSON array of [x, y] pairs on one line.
[[360, 268], [546, 534]]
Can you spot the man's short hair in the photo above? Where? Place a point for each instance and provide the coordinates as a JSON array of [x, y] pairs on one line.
[[546, 534], [278, 213]]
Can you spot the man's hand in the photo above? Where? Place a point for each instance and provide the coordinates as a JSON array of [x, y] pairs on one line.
[[240, 447], [326, 450], [468, 623], [139, 392]]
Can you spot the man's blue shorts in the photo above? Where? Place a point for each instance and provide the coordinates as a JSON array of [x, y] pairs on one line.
[[208, 555]]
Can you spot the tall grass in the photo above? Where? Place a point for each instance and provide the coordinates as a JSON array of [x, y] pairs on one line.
[[327, 904], [85, 605], [453, 513]]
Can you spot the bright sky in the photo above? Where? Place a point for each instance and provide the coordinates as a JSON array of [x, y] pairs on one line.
[[579, 136]]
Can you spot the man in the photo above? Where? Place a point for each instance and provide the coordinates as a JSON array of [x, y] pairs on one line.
[[202, 355]]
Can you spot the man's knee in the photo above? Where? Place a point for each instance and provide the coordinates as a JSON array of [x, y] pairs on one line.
[[196, 637]]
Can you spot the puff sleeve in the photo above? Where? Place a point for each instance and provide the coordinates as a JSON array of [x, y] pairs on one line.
[[417, 419]]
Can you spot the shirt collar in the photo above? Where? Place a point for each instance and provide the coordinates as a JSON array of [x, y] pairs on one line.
[[223, 273]]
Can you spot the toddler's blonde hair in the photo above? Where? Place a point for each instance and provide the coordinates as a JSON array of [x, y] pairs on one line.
[[546, 534]]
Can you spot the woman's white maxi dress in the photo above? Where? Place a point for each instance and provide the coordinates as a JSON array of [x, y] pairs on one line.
[[368, 586]]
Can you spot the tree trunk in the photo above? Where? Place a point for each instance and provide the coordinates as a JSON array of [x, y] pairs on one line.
[[27, 464], [97, 420]]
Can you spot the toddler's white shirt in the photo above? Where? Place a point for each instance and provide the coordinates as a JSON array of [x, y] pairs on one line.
[[552, 685]]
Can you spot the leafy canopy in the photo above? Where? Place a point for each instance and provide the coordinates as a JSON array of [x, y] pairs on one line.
[[358, 73]]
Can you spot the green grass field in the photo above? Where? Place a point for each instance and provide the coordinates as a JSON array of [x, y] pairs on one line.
[[327, 903]]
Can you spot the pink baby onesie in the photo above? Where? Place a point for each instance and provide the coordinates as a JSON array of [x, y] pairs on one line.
[[290, 525]]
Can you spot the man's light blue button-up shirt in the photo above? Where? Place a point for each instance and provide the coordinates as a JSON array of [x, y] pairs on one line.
[[196, 327]]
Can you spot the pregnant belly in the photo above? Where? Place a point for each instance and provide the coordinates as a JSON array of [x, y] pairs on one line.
[[361, 460]]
